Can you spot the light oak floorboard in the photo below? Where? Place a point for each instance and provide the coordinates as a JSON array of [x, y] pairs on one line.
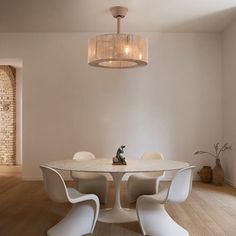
[[26, 210]]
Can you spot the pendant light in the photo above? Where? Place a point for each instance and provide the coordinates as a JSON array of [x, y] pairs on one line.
[[118, 50]]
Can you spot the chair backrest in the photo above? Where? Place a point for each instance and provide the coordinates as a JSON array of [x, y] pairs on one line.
[[81, 156], [54, 185], [181, 185], [152, 155]]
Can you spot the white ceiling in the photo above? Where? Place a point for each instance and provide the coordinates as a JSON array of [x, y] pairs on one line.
[[93, 15]]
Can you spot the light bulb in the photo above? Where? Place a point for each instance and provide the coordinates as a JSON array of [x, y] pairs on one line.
[[127, 49]]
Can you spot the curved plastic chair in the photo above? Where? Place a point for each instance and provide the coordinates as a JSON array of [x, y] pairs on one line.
[[153, 218], [82, 218], [144, 183], [90, 182]]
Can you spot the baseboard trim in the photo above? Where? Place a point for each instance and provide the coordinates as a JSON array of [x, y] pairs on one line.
[[231, 183], [40, 178]]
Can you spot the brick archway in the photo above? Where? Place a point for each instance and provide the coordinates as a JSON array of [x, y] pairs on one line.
[[7, 116]]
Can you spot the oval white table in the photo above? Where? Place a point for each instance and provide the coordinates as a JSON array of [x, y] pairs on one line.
[[117, 214]]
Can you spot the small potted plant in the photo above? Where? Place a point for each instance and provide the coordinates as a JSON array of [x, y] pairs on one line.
[[217, 172]]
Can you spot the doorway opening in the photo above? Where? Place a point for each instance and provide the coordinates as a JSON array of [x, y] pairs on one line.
[[10, 120]]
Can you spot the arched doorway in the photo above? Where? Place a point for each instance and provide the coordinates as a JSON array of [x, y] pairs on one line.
[[7, 115]]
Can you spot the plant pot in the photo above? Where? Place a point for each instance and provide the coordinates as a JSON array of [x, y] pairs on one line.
[[205, 174], [218, 173]]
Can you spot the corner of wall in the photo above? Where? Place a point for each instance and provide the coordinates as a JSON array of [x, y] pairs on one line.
[[229, 96]]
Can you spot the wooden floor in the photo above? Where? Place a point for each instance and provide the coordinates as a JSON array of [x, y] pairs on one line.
[[26, 210]]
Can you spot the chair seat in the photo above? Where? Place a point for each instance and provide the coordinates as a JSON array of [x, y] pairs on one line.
[[91, 183], [87, 176], [159, 197], [73, 193], [75, 196]]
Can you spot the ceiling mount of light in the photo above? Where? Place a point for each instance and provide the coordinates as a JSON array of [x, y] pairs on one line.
[[118, 50]]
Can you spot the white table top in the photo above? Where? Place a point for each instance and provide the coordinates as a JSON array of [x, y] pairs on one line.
[[105, 165]]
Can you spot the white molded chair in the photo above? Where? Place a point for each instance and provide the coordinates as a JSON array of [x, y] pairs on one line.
[[153, 218], [144, 183], [82, 218], [90, 182]]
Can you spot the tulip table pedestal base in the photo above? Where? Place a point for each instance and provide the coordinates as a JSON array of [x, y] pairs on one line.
[[117, 214]]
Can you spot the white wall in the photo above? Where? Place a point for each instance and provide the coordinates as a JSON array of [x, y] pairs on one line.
[[173, 105], [229, 91]]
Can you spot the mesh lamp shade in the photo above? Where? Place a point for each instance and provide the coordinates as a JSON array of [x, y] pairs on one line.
[[118, 51]]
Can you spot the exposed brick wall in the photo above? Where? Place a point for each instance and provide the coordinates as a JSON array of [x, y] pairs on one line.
[[7, 116]]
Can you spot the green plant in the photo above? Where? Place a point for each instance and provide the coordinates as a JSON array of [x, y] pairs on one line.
[[218, 150]]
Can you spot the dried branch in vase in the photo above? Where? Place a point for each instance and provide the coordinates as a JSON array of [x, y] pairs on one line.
[[218, 150]]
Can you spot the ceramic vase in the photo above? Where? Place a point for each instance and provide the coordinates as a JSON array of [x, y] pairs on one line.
[[205, 174], [218, 173]]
